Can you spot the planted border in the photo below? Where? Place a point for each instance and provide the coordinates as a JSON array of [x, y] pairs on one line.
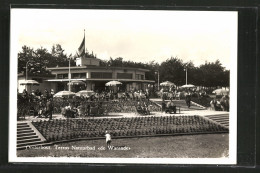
[[71, 129]]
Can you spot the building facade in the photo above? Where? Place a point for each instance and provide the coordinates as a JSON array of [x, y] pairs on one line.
[[95, 76], [42, 80]]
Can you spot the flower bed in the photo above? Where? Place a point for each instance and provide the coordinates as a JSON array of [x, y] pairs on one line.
[[108, 106], [24, 105], [68, 129], [204, 101]]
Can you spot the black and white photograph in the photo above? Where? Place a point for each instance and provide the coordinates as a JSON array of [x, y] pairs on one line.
[[123, 86]]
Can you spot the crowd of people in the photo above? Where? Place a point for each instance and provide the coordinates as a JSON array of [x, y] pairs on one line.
[[178, 94], [221, 104], [42, 104], [37, 103]]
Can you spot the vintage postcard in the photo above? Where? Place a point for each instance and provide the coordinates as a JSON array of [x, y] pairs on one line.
[[123, 86]]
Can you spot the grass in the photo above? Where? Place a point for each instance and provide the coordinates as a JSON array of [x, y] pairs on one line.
[[187, 146]]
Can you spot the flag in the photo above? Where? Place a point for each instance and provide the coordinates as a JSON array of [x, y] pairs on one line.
[[81, 48]]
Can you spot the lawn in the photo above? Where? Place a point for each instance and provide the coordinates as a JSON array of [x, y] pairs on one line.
[[186, 146]]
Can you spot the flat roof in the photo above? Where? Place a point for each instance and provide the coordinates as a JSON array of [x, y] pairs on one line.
[[36, 75], [95, 79], [95, 67]]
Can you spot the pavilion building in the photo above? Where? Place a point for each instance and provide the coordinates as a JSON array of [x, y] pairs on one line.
[[95, 76]]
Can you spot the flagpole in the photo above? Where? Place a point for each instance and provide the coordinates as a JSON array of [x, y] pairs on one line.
[[84, 42], [69, 76]]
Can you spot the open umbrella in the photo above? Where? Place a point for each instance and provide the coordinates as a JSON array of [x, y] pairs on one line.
[[29, 82], [113, 83], [188, 86], [85, 93], [221, 91], [64, 94], [76, 82], [167, 83]]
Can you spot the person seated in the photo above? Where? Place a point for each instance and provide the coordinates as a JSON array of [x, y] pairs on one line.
[[212, 104], [170, 107], [68, 111], [63, 111], [41, 109], [80, 110], [139, 107], [146, 109], [100, 109], [215, 105], [73, 112], [107, 96]]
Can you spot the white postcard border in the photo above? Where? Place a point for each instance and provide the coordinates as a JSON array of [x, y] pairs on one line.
[[232, 159]]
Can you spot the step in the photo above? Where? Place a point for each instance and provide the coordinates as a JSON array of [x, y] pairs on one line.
[[214, 116], [28, 143], [225, 124], [220, 119], [28, 140], [219, 114], [24, 131], [20, 126], [222, 122], [26, 134], [23, 128], [26, 137]]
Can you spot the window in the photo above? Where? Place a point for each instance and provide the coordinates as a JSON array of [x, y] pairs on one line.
[[139, 77], [78, 75], [62, 76], [101, 75], [124, 76]]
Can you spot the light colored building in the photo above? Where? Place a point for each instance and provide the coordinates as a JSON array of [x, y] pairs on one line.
[[42, 80], [95, 76]]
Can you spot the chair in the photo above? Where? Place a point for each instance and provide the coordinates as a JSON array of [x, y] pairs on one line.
[[93, 111]]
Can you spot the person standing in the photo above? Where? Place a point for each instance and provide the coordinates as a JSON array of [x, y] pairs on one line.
[[172, 107], [52, 93], [108, 139], [46, 95], [49, 108], [163, 105], [188, 99]]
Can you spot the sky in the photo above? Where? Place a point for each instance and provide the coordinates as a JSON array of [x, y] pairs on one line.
[[137, 35]]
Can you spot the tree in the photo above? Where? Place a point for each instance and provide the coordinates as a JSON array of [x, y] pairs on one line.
[[38, 60], [173, 70], [212, 74]]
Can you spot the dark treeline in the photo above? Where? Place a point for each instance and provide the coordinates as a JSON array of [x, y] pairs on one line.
[[209, 74]]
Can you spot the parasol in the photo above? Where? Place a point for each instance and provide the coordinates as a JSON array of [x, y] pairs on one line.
[[64, 94], [76, 83], [167, 83], [29, 82], [85, 93], [188, 86], [221, 91], [113, 83]]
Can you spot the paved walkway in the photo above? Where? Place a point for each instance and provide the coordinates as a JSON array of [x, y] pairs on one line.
[[127, 115], [217, 116]]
